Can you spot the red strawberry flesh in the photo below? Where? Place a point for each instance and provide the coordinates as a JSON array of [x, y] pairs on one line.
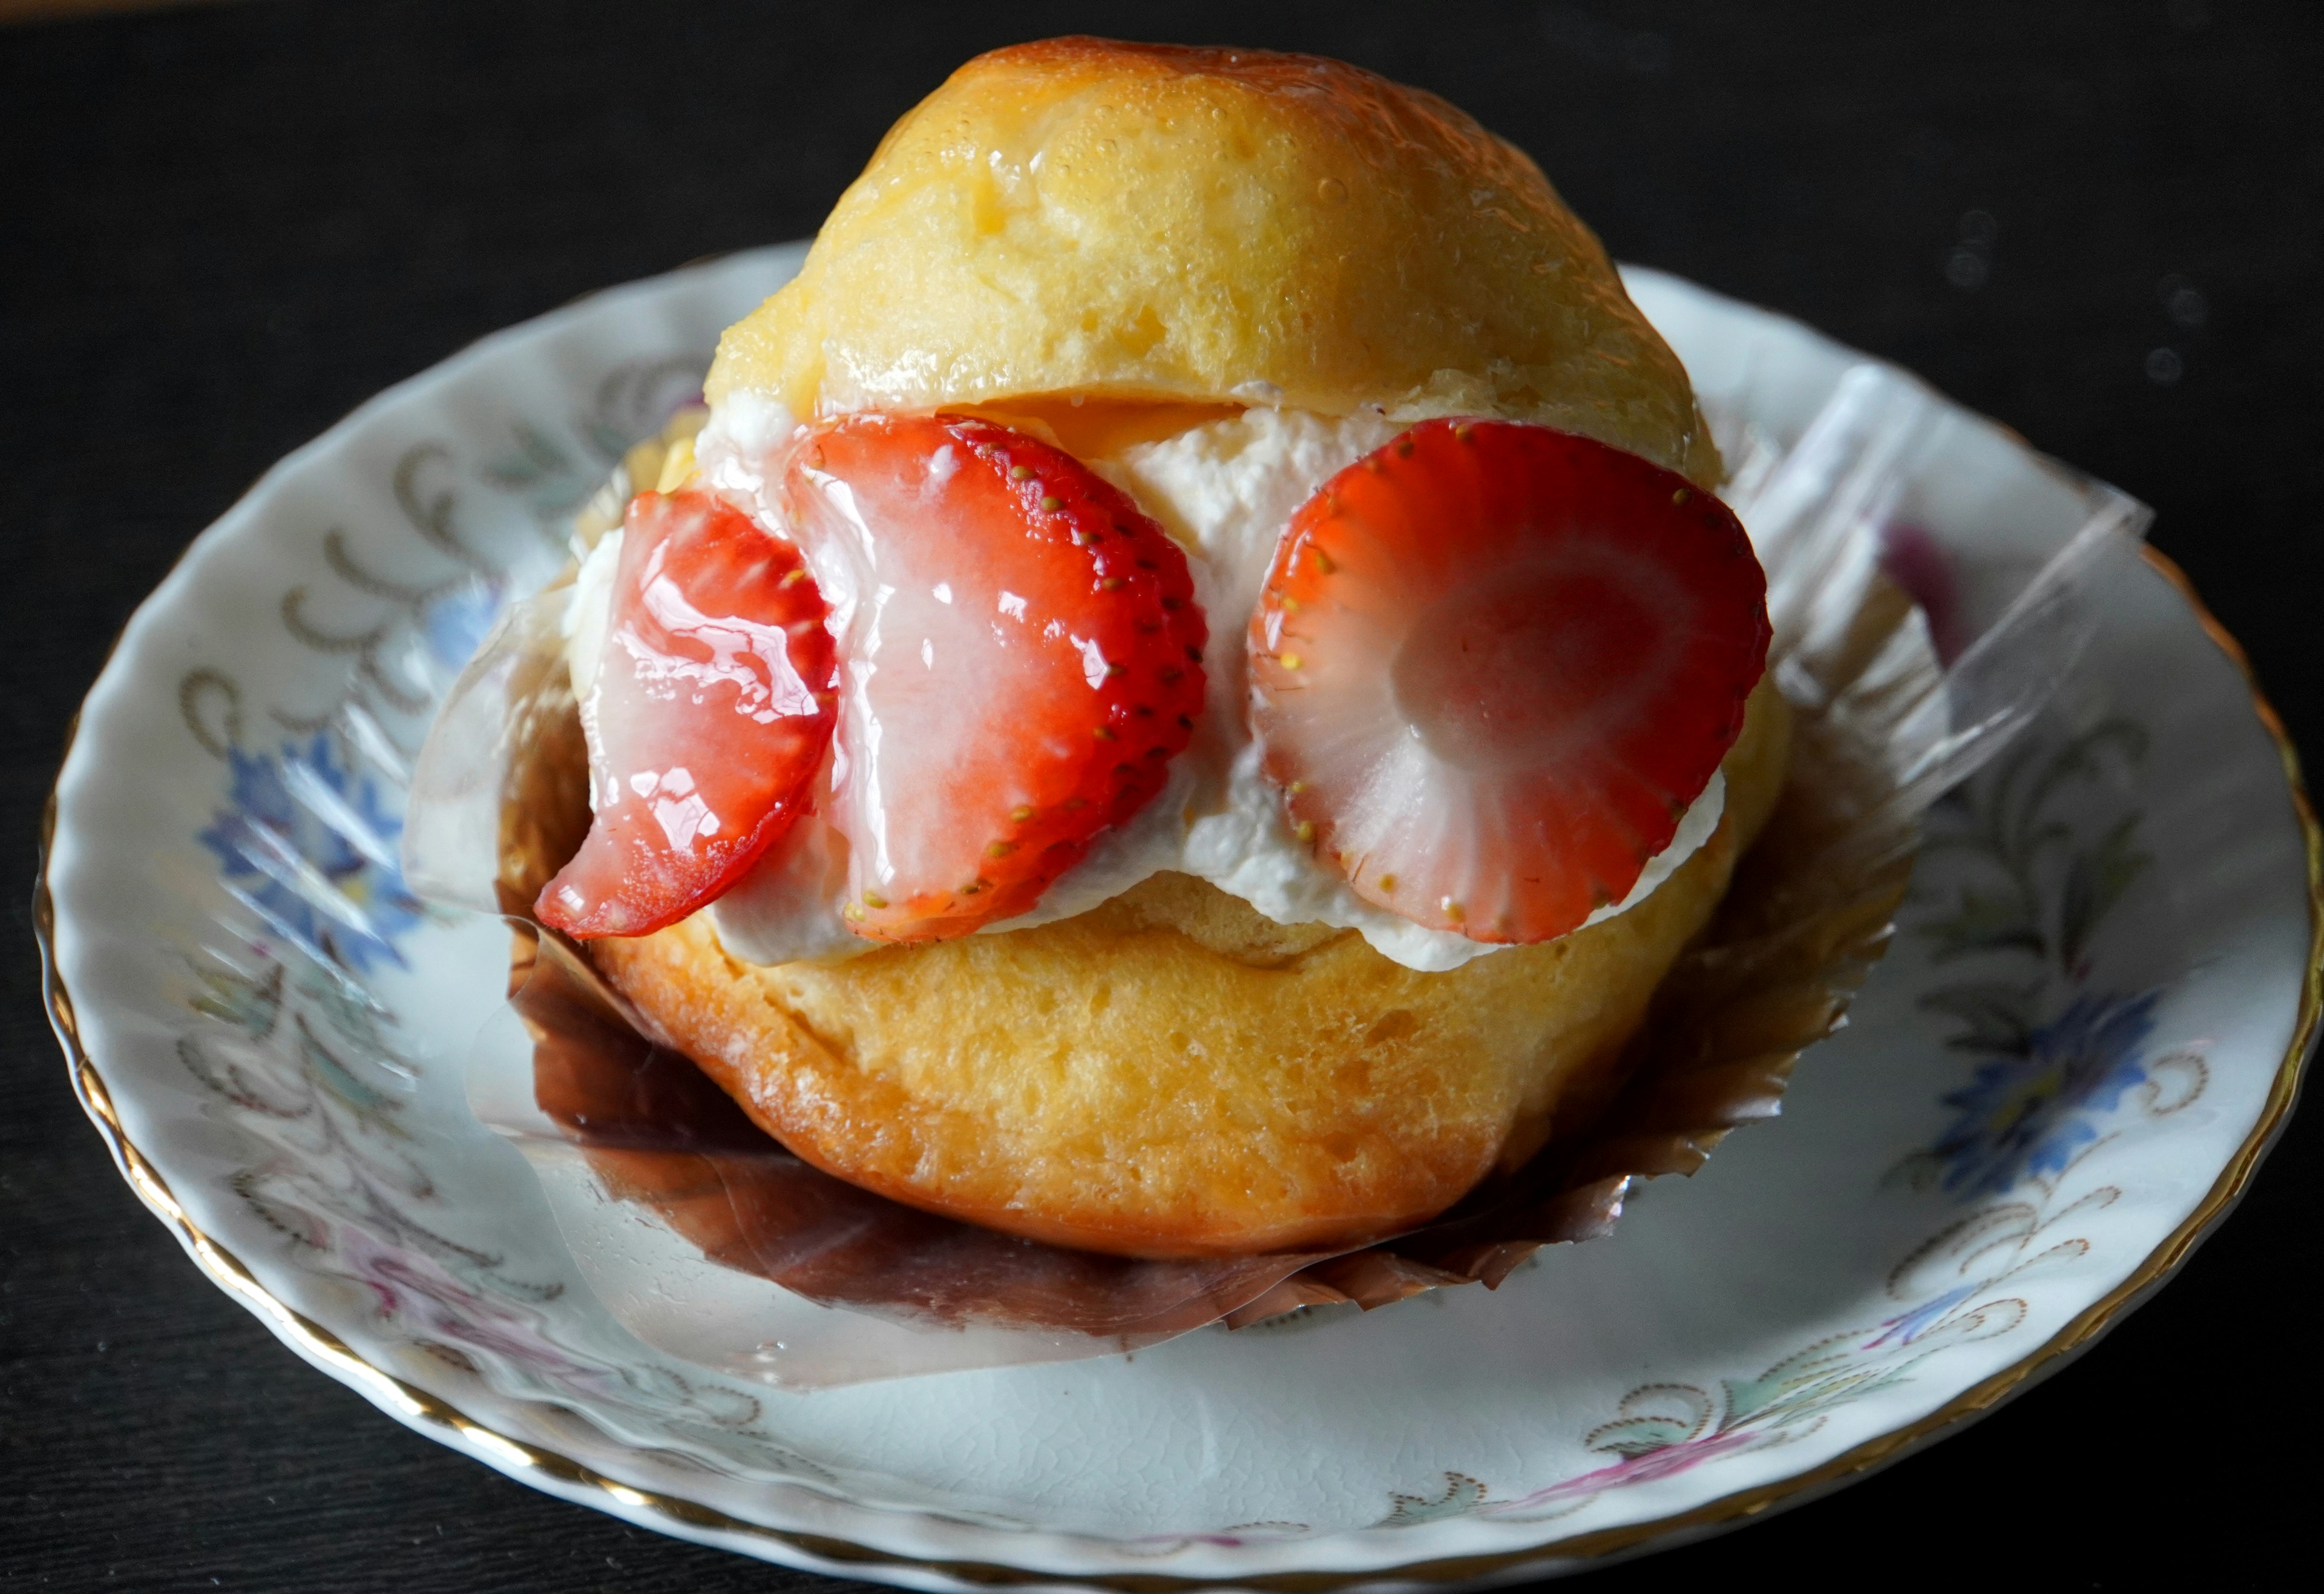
[[711, 710], [1022, 659], [1493, 665]]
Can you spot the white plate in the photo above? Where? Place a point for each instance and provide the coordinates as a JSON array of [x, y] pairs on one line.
[[2091, 1023]]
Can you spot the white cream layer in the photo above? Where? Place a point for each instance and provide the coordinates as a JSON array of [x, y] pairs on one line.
[[1224, 490]]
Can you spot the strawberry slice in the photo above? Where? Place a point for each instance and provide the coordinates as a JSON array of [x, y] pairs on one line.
[[711, 708], [1023, 658], [1493, 664]]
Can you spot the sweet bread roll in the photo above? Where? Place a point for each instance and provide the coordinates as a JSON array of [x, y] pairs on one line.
[[1148, 223], [1173, 1074], [1121, 239]]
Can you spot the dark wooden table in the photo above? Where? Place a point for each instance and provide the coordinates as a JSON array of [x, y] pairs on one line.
[[222, 227]]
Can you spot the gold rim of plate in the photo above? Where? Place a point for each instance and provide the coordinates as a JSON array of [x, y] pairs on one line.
[[430, 1412]]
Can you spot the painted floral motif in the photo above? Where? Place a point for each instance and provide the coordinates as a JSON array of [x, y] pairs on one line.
[[1956, 1288], [2044, 887], [307, 843], [1461, 1495], [2057, 1051], [2032, 1107], [307, 1060], [308, 840]]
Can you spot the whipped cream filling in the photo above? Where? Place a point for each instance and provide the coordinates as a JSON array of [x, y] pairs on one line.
[[1224, 491]]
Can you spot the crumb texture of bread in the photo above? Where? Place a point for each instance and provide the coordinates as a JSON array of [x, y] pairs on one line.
[[1173, 1074], [1141, 223]]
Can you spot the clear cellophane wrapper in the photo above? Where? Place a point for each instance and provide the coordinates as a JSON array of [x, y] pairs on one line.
[[1905, 667]]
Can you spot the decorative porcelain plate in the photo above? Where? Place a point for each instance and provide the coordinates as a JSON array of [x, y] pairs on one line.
[[2090, 1024]]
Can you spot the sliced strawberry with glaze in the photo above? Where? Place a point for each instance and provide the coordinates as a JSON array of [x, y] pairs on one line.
[[711, 711], [1022, 658], [1493, 665]]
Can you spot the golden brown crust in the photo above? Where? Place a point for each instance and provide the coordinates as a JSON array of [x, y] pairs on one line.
[[1171, 1073], [1147, 223]]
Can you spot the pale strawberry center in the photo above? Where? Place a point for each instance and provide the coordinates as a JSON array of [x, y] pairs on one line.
[[1522, 669], [933, 647], [929, 654]]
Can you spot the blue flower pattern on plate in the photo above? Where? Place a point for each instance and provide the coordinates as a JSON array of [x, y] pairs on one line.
[[309, 844], [455, 623], [2038, 886], [2029, 1110]]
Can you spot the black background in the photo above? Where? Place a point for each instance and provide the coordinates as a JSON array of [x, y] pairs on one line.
[[221, 228]]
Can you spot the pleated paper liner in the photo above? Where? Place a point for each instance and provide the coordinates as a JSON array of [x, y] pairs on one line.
[[1888, 713]]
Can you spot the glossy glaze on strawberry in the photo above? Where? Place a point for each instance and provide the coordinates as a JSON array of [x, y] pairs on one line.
[[1492, 666], [1021, 656], [711, 711]]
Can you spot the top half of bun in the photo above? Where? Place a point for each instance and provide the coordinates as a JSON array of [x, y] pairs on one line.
[[1085, 220]]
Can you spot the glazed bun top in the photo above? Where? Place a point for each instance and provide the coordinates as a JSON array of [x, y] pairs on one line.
[[1079, 218]]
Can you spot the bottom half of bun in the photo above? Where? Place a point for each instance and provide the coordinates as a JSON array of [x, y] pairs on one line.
[[1172, 1073]]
